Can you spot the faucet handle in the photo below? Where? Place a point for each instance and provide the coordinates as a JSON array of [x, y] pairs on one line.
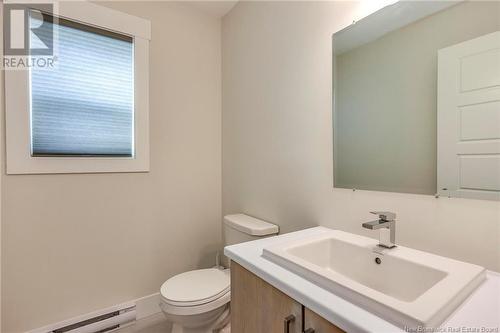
[[385, 216]]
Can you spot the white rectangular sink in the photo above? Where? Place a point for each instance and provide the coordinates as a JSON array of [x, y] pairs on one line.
[[407, 287]]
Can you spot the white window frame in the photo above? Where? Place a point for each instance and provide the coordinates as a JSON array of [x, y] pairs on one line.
[[18, 122]]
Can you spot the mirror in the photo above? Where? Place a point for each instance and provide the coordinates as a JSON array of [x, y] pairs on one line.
[[417, 100]]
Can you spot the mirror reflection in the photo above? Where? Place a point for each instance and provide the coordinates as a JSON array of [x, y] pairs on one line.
[[417, 100]]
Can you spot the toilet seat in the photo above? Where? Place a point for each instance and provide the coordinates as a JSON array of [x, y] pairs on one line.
[[197, 309], [196, 291]]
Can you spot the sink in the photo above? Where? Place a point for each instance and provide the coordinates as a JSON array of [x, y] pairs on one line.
[[407, 287]]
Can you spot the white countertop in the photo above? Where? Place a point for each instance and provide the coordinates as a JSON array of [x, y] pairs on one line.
[[479, 313]]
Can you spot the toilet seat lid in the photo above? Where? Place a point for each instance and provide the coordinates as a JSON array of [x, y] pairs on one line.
[[196, 287]]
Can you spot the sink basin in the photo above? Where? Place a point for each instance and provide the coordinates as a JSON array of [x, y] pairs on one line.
[[407, 287]]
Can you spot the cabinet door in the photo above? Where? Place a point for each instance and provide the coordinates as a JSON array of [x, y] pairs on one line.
[[258, 307], [318, 324]]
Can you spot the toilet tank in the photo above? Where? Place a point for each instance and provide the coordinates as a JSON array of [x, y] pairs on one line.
[[239, 228]]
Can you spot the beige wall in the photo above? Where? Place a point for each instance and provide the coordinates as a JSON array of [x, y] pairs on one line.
[[277, 138], [77, 243], [386, 101]]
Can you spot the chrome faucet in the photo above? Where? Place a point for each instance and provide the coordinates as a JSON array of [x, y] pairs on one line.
[[387, 224]]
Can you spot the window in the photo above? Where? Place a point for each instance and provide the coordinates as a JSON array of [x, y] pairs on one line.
[[85, 105], [89, 112]]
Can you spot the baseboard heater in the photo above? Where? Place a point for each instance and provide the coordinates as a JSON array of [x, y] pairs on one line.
[[101, 323]]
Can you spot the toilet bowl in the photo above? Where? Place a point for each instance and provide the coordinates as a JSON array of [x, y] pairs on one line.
[[198, 301]]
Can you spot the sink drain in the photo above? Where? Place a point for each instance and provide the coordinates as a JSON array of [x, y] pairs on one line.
[[378, 261]]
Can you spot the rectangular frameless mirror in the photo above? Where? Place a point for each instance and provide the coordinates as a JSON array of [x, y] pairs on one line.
[[417, 100]]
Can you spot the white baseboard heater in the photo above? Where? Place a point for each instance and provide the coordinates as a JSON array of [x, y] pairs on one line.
[[108, 319], [100, 323]]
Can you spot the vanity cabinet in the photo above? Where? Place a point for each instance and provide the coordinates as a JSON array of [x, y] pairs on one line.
[[258, 307], [318, 323]]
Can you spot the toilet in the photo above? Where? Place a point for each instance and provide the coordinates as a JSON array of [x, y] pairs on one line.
[[198, 301]]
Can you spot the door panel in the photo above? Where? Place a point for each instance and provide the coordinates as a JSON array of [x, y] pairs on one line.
[[480, 121], [469, 119], [318, 323], [472, 69], [480, 172]]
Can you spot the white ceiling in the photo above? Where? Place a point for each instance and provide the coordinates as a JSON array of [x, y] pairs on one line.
[[214, 8], [385, 20]]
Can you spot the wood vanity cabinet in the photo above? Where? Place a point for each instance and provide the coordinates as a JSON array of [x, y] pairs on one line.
[[318, 323], [258, 307]]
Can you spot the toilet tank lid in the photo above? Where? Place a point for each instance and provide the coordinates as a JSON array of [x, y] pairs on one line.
[[250, 225]]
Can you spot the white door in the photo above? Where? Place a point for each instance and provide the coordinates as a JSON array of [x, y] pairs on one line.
[[469, 119]]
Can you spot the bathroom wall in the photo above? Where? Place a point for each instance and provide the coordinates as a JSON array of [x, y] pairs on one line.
[[277, 138], [394, 81], [77, 243]]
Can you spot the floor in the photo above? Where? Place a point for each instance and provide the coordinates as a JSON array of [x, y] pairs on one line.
[[153, 324]]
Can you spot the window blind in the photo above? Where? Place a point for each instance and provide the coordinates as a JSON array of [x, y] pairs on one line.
[[85, 104]]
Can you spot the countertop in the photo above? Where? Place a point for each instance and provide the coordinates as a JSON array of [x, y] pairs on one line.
[[479, 313]]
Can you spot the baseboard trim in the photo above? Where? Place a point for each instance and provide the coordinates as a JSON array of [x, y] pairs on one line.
[[144, 307]]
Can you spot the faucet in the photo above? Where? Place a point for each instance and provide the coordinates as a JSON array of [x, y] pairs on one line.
[[387, 224]]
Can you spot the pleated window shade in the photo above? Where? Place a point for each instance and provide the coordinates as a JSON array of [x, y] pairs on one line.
[[84, 106]]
